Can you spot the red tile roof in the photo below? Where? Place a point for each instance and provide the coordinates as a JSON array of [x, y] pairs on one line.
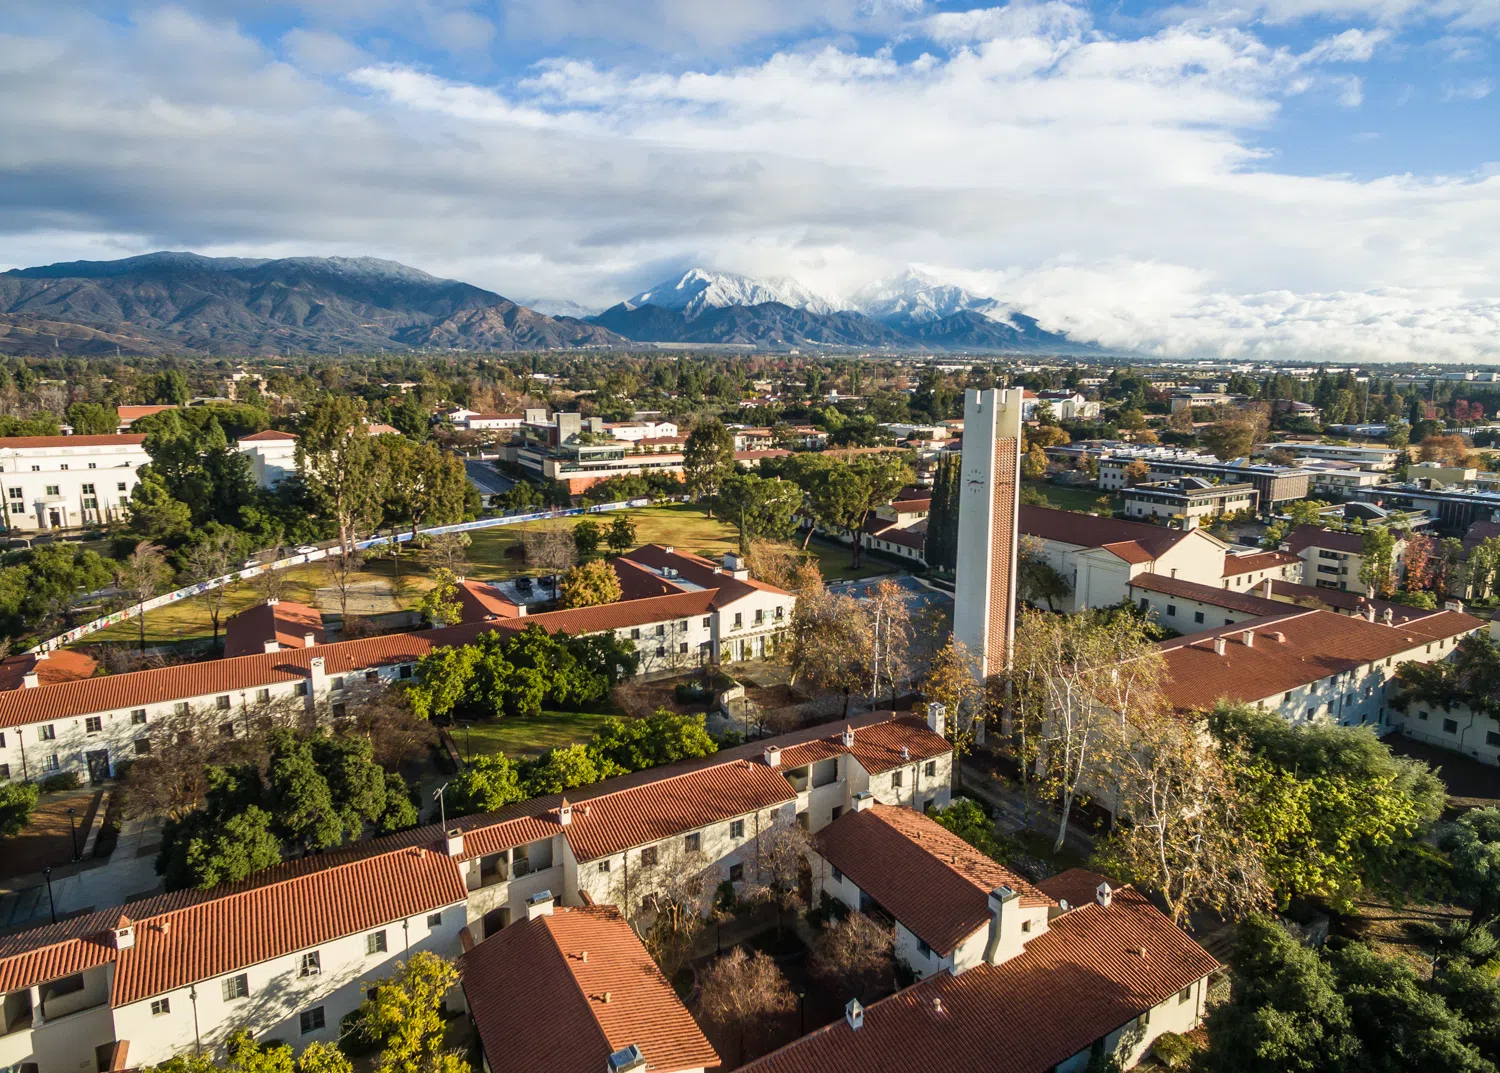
[[287, 623], [481, 601], [63, 665], [616, 616], [1266, 560], [131, 413], [877, 746], [637, 582], [213, 937], [1312, 536], [928, 878], [560, 968], [1346, 602], [1317, 644], [1208, 594], [18, 443], [1091, 531], [1076, 886], [267, 436], [699, 571], [1075, 983]]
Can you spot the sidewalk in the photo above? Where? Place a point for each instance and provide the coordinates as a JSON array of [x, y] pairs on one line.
[[129, 873]]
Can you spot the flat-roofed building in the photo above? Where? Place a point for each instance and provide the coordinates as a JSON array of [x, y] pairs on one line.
[[1188, 499], [66, 482]]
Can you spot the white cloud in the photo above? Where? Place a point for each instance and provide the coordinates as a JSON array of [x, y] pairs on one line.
[[1119, 188], [1474, 90]]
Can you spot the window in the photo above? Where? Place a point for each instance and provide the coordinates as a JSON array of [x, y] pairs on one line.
[[693, 842], [1422, 716], [142, 746], [635, 633], [63, 466], [4, 771], [16, 493], [1198, 617], [1171, 610], [896, 779], [87, 489], [648, 857], [236, 987], [222, 703], [1491, 738], [181, 707], [138, 717], [780, 612], [661, 629], [300, 689], [1310, 712], [226, 730], [375, 942], [262, 696], [923, 948], [1186, 994], [340, 711], [604, 866], [312, 1020], [931, 769], [46, 733], [372, 676], [737, 829], [838, 877], [1026, 926], [681, 647], [337, 682], [405, 670], [837, 811], [120, 486], [53, 763], [1450, 726], [739, 619], [160, 1006], [736, 873], [93, 724], [311, 964], [760, 616], [707, 621], [52, 490], [661, 650], [434, 919]]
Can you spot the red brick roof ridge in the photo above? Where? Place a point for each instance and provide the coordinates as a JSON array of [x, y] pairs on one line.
[[130, 439]]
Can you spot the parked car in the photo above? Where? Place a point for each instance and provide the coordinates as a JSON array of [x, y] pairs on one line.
[[306, 549], [523, 585], [248, 563]]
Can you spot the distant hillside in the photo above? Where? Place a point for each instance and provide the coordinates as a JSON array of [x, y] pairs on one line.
[[181, 301], [767, 324]]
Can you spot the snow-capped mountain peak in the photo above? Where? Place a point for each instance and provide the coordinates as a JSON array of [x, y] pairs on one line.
[[915, 297], [699, 289]]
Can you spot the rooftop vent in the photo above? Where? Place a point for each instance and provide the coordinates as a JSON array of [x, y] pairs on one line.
[[773, 756], [540, 905], [455, 843], [309, 639], [1249, 638], [564, 813], [1104, 893], [905, 753], [863, 800], [847, 737], [1278, 637], [854, 1013], [1219, 645], [626, 1060]]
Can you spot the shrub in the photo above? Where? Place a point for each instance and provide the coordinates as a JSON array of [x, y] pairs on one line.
[[1173, 1050], [17, 799], [63, 780]]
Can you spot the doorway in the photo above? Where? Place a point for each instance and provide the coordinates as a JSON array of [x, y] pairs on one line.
[[98, 765], [54, 519]]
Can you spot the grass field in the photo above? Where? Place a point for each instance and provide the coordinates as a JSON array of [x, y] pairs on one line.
[[494, 556], [525, 735], [1082, 500]]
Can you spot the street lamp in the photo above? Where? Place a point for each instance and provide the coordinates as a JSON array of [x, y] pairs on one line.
[[47, 872], [73, 825]]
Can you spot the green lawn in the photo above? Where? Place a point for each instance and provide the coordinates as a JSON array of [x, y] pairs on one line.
[[833, 561], [1082, 500], [526, 735]]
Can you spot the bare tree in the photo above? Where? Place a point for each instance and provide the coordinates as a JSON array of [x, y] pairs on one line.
[[952, 682], [779, 868], [829, 643], [741, 990], [384, 715], [213, 557], [857, 956], [666, 901], [272, 584], [448, 551], [342, 567], [141, 576], [550, 547], [891, 639]]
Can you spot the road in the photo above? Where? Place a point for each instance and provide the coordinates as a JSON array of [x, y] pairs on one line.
[[486, 478]]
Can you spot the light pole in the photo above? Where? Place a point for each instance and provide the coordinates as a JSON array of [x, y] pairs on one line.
[[73, 827], [52, 905]]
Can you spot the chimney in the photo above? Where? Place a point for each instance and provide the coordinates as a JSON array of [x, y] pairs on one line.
[[1369, 613], [1388, 616], [863, 800], [1219, 644], [43, 654], [309, 639], [935, 718], [520, 611], [854, 1013], [319, 681], [564, 813], [669, 549], [847, 737], [1000, 898], [1278, 637], [1249, 638], [455, 842], [29, 680], [626, 1060], [272, 601], [273, 645], [905, 753], [1265, 588], [539, 905], [1105, 894], [124, 933], [773, 756]]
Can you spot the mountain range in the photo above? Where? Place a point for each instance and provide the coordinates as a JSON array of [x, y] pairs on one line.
[[176, 302]]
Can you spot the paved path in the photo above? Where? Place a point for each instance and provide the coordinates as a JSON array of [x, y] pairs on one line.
[[129, 873], [1010, 811], [486, 478]]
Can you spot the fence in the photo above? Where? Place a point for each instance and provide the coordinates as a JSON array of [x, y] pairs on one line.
[[198, 588]]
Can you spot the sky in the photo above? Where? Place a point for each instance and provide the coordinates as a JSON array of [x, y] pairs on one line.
[[1303, 179]]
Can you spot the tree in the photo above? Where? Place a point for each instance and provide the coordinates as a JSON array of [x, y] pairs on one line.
[[891, 638], [91, 419], [621, 534], [842, 496], [662, 738], [774, 875], [142, 575], [423, 484], [587, 535], [17, 799], [486, 784], [154, 513], [593, 583], [549, 546], [951, 681], [1136, 472], [342, 566], [1034, 463], [1377, 571], [216, 553], [245, 1055], [826, 641], [1235, 433], [966, 818], [1451, 450], [707, 460], [440, 604], [941, 547], [336, 461], [856, 956], [1472, 843], [171, 388], [1037, 580], [760, 508], [665, 901], [741, 990], [403, 1014], [448, 551]]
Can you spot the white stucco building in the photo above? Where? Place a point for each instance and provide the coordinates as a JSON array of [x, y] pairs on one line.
[[65, 482]]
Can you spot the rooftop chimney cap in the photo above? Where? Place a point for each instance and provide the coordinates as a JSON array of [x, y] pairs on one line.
[[847, 736], [626, 1060], [1104, 893], [854, 1014], [1219, 646], [1249, 638], [773, 756]]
